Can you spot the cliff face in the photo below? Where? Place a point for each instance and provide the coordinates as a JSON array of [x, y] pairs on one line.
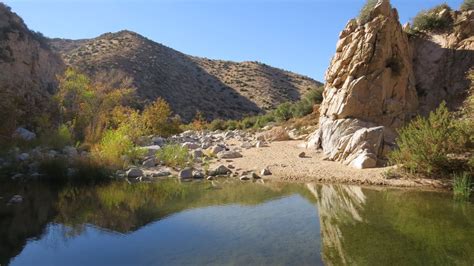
[[381, 77], [441, 62], [369, 91], [28, 67]]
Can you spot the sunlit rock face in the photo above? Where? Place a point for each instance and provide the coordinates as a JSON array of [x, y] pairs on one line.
[[369, 91], [28, 67], [441, 61]]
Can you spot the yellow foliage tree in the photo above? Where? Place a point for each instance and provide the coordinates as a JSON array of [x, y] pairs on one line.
[[158, 120]]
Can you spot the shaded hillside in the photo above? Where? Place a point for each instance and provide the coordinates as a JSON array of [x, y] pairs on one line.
[[28, 69], [190, 84]]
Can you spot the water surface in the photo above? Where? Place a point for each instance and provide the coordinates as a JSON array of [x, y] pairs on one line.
[[232, 223]]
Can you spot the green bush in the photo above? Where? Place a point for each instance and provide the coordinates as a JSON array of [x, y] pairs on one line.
[[424, 144], [429, 20], [217, 124], [174, 155], [283, 112], [57, 139], [364, 15], [462, 186], [116, 149], [231, 125], [467, 5]]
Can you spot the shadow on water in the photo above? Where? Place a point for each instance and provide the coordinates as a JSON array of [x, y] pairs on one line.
[[357, 226]]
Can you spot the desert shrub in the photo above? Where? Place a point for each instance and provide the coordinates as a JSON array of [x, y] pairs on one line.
[[263, 120], [430, 20], [54, 168], [467, 5], [248, 122], [174, 155], [158, 119], [301, 108], [58, 138], [116, 149], [90, 170], [231, 125], [217, 124], [283, 112], [462, 186], [364, 14], [315, 96], [424, 144], [199, 123]]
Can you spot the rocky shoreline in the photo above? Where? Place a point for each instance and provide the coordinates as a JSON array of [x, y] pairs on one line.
[[238, 154]]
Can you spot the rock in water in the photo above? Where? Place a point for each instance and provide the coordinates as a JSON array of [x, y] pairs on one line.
[[220, 170], [369, 91], [17, 199], [134, 173], [186, 173]]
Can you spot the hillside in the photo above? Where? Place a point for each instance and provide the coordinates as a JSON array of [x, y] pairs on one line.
[[218, 89]]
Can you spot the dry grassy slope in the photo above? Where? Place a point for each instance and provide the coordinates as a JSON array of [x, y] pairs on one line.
[[219, 89]]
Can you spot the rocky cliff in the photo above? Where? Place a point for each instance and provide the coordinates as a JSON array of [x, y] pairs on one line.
[[369, 91], [28, 68], [382, 76], [441, 61], [219, 89]]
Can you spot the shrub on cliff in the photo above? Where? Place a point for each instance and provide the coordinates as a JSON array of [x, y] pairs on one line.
[[424, 144], [467, 5], [433, 19], [364, 15]]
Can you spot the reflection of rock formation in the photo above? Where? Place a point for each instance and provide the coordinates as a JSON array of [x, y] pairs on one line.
[[20, 222], [337, 205]]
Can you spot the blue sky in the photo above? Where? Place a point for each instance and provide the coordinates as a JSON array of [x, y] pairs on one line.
[[297, 35]]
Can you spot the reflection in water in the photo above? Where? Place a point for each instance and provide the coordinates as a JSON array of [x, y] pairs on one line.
[[232, 223], [393, 227]]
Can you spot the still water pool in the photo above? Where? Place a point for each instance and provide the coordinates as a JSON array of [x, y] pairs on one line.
[[232, 223]]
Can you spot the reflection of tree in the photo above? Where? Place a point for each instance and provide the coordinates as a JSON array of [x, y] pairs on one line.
[[393, 227], [122, 207]]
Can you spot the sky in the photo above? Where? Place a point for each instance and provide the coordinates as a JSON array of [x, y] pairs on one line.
[[296, 35]]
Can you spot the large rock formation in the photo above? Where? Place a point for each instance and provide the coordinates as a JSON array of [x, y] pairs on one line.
[[441, 61], [28, 68], [369, 91]]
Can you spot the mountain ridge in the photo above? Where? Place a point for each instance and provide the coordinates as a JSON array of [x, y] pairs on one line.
[[217, 88]]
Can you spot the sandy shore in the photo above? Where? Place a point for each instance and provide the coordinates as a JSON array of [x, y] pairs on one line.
[[283, 161]]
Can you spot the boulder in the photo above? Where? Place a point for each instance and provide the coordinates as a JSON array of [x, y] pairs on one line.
[[24, 134], [198, 174], [191, 145], [186, 173], [265, 172], [23, 157], [229, 155], [220, 170], [17, 199], [214, 150], [134, 173], [151, 162], [274, 134], [70, 151]]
